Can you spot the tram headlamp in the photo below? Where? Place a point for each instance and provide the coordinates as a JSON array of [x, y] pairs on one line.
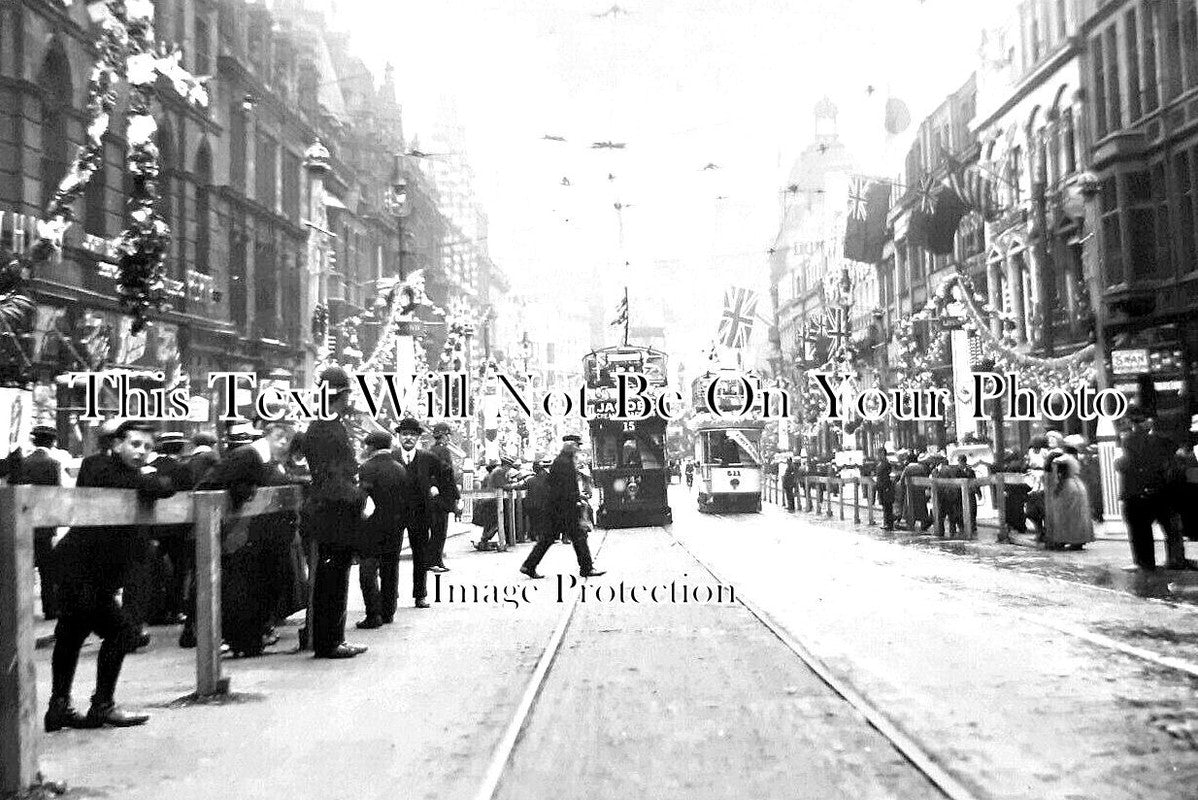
[[735, 482], [619, 485]]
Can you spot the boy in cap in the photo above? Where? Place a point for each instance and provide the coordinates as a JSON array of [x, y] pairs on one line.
[[386, 484], [94, 563]]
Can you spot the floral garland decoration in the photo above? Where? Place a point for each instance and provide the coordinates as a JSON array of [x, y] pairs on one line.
[[127, 52]]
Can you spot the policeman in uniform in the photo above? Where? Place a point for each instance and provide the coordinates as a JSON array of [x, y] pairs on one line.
[[331, 518]]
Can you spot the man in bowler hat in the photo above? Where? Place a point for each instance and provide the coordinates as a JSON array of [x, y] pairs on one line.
[[439, 524], [332, 510], [431, 491]]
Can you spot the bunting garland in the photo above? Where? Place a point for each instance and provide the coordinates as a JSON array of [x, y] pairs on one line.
[[127, 51]]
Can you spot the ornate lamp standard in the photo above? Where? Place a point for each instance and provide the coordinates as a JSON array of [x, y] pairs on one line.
[[395, 200]]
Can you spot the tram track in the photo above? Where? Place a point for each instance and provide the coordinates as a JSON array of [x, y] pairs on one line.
[[916, 756]]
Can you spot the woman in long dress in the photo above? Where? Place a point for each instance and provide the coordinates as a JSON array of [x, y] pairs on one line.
[[1070, 524]]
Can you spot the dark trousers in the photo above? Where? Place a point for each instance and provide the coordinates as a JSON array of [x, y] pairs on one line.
[[788, 496], [886, 501], [378, 577], [43, 559], [437, 530], [1139, 513], [548, 534], [181, 552], [418, 544], [88, 609], [330, 592]]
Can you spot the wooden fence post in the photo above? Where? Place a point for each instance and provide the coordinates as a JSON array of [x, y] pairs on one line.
[[856, 502], [828, 494], [18, 681], [872, 494], [936, 516], [500, 513], [967, 510], [209, 508], [840, 496], [1000, 504]]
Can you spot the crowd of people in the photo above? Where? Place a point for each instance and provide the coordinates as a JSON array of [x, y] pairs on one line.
[[1053, 489], [359, 501]]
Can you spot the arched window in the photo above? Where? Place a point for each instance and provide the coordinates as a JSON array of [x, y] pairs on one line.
[[203, 176], [167, 178], [55, 82]]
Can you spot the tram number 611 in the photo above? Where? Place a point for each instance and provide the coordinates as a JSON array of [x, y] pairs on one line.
[[733, 473]]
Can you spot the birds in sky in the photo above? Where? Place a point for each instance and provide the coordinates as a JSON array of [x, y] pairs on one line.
[[608, 146], [549, 137], [614, 11], [414, 153], [611, 176], [566, 182], [710, 166], [870, 90]]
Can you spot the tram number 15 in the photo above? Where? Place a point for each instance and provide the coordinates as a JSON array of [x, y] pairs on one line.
[[629, 427]]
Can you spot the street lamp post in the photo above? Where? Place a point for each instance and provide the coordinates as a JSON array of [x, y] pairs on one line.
[[396, 202]]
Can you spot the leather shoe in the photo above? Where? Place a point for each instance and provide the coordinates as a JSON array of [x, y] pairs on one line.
[[593, 573], [532, 573], [370, 623], [187, 639], [61, 715], [357, 648], [387, 620], [340, 651], [422, 603], [439, 568], [101, 714]]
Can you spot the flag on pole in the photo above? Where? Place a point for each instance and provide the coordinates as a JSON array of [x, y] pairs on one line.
[[621, 313], [935, 218], [974, 188], [736, 325], [865, 231]]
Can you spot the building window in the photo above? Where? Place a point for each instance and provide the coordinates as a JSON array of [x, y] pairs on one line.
[[1141, 225], [1101, 126], [203, 177], [291, 184], [1148, 37], [95, 199], [237, 145], [1185, 211], [1062, 20], [1164, 242], [1112, 234], [1172, 57], [203, 47], [1015, 175], [55, 82], [1189, 41], [1132, 40], [265, 169], [1114, 97], [1068, 143]]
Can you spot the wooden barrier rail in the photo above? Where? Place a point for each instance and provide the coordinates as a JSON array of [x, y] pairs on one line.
[[23, 508], [823, 492], [513, 524]]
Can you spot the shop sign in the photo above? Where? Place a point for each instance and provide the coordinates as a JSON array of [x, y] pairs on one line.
[[1129, 362]]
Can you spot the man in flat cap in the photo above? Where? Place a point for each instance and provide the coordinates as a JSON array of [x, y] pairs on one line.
[[1149, 471], [386, 483], [332, 511], [430, 491]]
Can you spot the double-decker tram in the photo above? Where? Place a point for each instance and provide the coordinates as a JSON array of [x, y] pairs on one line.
[[728, 456], [630, 469]]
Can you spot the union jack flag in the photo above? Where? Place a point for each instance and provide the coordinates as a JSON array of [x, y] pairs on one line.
[[740, 309], [836, 328], [858, 198], [974, 187]]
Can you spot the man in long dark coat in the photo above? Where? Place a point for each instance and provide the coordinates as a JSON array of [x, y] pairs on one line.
[[439, 523], [94, 564], [332, 512], [386, 484], [884, 490], [431, 490], [563, 513]]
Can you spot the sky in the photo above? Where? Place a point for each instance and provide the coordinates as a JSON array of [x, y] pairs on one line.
[[684, 83]]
